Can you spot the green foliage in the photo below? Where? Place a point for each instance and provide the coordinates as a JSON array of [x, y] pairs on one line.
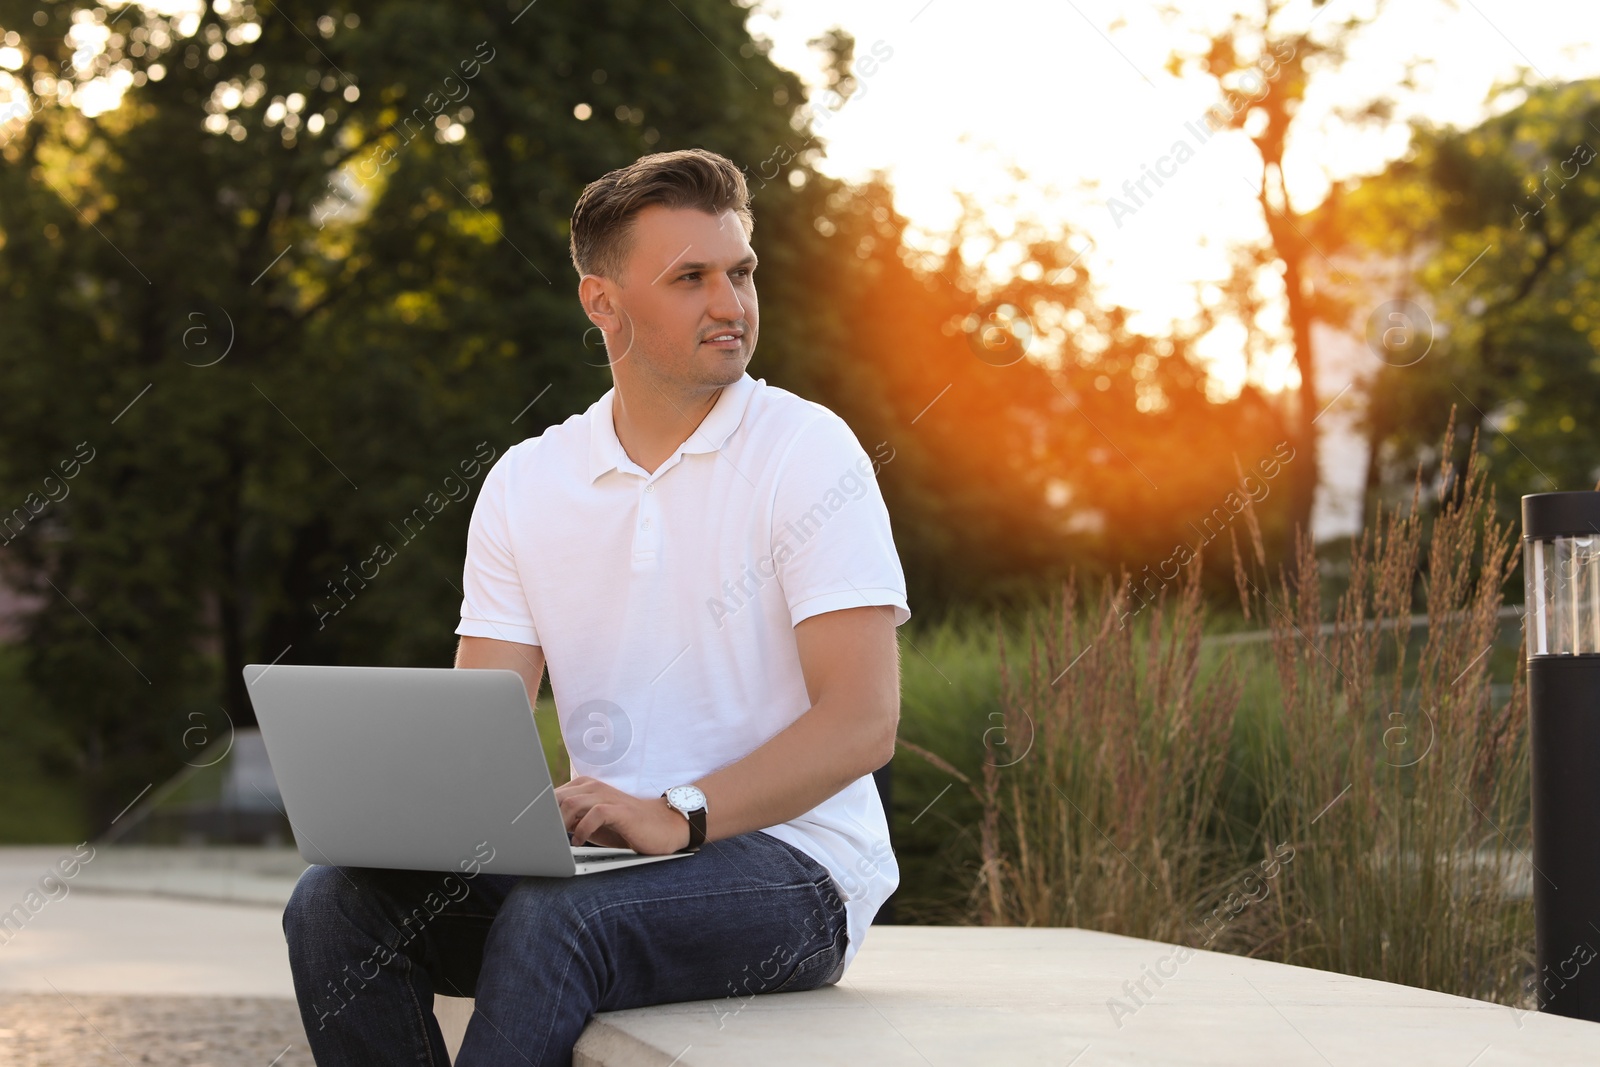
[[39, 799], [949, 704], [296, 294], [1504, 219], [321, 335], [1344, 795]]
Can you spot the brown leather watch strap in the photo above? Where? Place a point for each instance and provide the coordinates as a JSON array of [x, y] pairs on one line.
[[697, 830], [697, 827]]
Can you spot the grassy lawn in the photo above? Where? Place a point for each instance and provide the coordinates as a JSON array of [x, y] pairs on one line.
[[950, 681], [39, 801]]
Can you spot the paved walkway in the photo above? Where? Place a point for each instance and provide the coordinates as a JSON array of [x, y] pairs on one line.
[[105, 973], [97, 1030], [105, 936]]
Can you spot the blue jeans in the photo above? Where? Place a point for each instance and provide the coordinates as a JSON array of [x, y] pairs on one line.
[[369, 948]]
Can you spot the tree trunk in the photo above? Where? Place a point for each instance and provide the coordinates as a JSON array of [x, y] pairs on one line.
[[1304, 487]]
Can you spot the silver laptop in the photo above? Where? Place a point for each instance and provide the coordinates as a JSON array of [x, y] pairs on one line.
[[417, 768]]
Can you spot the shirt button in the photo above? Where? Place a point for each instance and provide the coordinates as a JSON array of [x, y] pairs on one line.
[[650, 488]]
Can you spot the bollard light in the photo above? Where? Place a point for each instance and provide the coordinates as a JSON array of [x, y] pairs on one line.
[[1561, 627]]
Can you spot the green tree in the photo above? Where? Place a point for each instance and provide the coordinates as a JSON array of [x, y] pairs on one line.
[[283, 292], [1500, 221], [1263, 67], [297, 291]]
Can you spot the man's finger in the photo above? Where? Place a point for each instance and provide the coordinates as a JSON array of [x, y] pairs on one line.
[[573, 809], [593, 821]]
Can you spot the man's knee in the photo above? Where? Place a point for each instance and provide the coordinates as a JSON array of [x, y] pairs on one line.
[[322, 895]]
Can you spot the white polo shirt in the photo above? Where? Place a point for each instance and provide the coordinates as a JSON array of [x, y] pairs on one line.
[[666, 602]]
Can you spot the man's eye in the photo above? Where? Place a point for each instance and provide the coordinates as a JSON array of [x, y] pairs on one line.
[[691, 274]]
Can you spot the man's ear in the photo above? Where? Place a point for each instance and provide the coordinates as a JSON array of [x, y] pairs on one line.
[[598, 297], [594, 293]]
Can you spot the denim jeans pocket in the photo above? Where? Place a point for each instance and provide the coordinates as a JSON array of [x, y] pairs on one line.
[[823, 967]]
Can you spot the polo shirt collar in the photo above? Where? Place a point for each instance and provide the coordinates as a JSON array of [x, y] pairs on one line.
[[606, 452]]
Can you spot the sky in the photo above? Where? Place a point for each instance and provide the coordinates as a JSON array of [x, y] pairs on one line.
[[1074, 92]]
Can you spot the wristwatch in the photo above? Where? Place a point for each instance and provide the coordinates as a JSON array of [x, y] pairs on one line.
[[691, 802]]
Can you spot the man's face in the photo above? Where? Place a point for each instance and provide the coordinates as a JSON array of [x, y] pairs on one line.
[[689, 278]]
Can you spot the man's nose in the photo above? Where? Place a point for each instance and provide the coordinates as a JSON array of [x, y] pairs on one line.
[[725, 305]]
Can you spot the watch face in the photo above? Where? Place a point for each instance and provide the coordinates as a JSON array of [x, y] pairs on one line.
[[686, 798]]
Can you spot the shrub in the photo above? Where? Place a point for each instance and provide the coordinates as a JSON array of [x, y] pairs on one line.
[[1345, 800]]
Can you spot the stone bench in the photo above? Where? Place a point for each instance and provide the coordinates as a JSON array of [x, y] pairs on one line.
[[1014, 996]]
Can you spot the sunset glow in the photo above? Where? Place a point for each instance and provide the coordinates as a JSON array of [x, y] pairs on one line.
[[1077, 97]]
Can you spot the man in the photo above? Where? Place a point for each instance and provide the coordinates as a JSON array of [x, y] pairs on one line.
[[706, 564]]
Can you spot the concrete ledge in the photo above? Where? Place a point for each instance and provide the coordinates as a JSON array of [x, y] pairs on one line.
[[915, 995], [1016, 996]]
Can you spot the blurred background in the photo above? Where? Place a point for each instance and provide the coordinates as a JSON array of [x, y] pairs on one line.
[[1113, 287]]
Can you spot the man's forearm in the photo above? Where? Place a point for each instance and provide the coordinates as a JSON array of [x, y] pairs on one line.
[[813, 758]]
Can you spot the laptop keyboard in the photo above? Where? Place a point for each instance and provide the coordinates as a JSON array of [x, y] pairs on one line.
[[600, 854]]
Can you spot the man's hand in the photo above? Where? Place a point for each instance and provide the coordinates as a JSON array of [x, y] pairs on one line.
[[599, 814]]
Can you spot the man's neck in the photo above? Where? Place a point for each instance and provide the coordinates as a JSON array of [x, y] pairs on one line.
[[652, 423]]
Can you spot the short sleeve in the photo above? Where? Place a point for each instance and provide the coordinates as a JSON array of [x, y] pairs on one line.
[[831, 543], [495, 604]]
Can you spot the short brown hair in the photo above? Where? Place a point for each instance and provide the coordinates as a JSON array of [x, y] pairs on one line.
[[602, 220]]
